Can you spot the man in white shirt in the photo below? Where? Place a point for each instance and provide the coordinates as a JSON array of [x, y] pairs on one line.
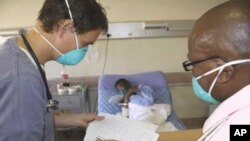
[[219, 57]]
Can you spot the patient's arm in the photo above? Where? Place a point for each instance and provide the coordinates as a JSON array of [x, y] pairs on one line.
[[144, 96], [130, 92]]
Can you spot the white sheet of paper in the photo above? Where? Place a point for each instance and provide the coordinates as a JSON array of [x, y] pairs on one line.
[[121, 128]]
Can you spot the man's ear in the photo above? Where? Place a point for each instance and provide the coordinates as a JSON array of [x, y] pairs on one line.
[[226, 75], [65, 25]]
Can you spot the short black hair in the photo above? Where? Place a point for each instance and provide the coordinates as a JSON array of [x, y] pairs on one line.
[[121, 80], [87, 15]]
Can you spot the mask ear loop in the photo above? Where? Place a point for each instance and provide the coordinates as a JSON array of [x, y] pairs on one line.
[[70, 14], [47, 41], [220, 69], [223, 66], [71, 17], [76, 39], [212, 85]]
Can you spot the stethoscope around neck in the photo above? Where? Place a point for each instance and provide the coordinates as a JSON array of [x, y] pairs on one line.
[[52, 104]]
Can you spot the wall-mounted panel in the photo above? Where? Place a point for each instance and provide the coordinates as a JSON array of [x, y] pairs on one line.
[[143, 29]]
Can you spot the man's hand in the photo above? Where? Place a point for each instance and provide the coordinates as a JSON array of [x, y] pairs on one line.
[[75, 119]]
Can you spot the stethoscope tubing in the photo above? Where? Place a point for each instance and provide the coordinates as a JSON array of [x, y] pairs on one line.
[[51, 103]]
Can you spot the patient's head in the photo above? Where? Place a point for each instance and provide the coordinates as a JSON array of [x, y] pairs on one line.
[[122, 85]]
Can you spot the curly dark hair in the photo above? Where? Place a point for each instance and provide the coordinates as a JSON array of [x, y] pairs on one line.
[[87, 15]]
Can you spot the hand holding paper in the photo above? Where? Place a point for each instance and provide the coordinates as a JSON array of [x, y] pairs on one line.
[[120, 128]]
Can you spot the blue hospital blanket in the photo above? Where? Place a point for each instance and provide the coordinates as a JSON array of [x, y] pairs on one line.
[[155, 79], [104, 106]]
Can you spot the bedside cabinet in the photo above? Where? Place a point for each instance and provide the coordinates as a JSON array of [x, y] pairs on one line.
[[76, 102]]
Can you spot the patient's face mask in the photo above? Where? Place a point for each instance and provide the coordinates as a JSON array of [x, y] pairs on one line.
[[122, 90], [123, 87], [206, 96]]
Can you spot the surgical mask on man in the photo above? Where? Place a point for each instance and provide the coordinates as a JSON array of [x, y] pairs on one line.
[[72, 57], [201, 93], [206, 96]]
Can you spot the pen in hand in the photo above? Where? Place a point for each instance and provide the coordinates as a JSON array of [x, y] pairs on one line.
[[98, 138]]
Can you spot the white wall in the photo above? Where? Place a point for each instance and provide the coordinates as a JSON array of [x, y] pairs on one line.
[[18, 13], [136, 10], [129, 55], [124, 56]]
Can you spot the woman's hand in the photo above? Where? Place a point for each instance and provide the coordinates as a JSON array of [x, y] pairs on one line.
[[75, 119]]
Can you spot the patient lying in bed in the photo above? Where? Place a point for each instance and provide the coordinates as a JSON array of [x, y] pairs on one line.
[[139, 102]]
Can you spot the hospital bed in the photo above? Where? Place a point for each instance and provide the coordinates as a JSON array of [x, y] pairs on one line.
[[155, 79], [190, 110]]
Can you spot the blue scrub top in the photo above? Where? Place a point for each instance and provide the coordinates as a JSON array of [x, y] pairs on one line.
[[23, 112]]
